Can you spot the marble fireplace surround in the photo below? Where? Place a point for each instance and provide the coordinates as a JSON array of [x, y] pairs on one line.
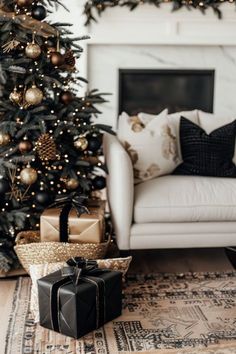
[[150, 38]]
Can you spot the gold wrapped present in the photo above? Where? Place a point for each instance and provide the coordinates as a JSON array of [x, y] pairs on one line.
[[87, 228]]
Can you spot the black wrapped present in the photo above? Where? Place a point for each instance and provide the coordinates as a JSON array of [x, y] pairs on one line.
[[80, 298]]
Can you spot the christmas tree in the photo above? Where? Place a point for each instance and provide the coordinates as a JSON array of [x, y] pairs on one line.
[[49, 141]]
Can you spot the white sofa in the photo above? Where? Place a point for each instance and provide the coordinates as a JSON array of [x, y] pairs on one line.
[[169, 211]]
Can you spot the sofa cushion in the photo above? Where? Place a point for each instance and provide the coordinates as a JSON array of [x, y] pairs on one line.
[[207, 154], [185, 199], [210, 122], [174, 122], [151, 145]]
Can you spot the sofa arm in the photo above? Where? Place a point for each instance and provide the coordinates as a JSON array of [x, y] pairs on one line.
[[120, 189]]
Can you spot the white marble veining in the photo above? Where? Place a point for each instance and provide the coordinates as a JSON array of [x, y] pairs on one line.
[[105, 60]]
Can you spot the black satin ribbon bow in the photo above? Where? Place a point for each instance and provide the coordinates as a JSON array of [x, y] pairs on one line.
[[79, 267], [74, 201], [68, 202]]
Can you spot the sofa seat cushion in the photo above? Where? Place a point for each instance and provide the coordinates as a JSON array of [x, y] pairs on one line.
[[185, 199]]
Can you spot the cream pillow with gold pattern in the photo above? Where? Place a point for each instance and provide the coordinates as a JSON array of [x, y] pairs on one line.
[[38, 271], [151, 144]]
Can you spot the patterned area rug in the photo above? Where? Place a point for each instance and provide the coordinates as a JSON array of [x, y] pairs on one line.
[[163, 313]]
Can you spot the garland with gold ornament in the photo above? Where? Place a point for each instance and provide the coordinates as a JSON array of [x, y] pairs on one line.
[[94, 8]]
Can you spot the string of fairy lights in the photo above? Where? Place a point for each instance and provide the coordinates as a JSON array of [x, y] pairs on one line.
[[94, 8]]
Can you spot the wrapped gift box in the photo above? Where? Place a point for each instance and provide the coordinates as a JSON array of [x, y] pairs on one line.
[[88, 228], [77, 309]]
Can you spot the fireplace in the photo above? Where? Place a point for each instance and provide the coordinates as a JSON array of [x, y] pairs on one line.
[[150, 91]]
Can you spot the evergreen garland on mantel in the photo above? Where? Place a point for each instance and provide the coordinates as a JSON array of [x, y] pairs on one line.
[[93, 7]]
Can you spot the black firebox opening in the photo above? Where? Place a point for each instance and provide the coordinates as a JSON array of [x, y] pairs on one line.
[[151, 91]]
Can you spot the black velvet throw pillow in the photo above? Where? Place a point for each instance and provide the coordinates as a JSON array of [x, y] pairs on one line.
[[207, 154]]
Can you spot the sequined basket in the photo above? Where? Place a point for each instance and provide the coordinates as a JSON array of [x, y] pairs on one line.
[[30, 250]]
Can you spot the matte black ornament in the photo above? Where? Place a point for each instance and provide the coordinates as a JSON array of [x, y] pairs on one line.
[[4, 186], [94, 143], [39, 12], [99, 182], [43, 198], [51, 43]]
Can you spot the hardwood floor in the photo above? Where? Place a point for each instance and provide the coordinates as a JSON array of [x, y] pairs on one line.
[[153, 261], [181, 260]]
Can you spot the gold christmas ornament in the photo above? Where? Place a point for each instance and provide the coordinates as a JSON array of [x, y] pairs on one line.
[[33, 50], [46, 147], [81, 143], [33, 95], [4, 139], [72, 183], [16, 96], [28, 176]]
